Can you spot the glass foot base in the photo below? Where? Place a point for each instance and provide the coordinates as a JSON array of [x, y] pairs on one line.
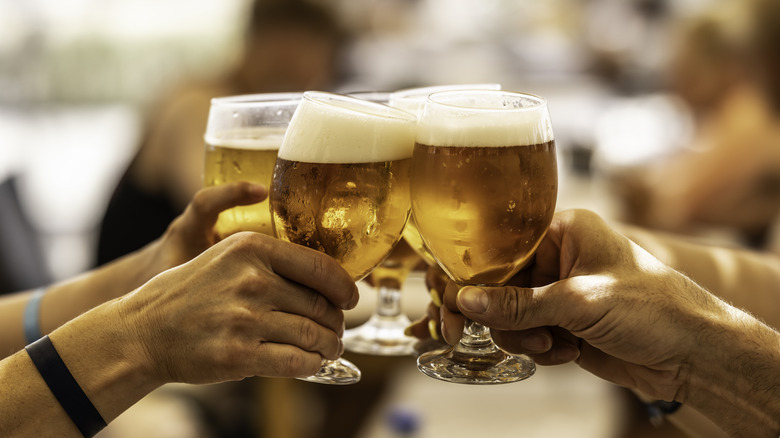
[[452, 365], [381, 335], [336, 372]]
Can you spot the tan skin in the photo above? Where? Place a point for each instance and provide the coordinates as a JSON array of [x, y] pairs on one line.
[[249, 305], [594, 297], [187, 236]]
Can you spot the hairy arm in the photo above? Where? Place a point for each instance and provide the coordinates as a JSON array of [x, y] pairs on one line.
[[746, 279]]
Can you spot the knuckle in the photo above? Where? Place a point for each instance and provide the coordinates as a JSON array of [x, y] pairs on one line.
[[512, 307], [294, 363], [307, 334], [318, 265], [318, 306], [200, 203]]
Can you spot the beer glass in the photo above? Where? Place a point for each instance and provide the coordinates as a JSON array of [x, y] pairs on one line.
[[383, 333], [484, 187], [341, 186], [242, 138], [371, 96], [413, 100]]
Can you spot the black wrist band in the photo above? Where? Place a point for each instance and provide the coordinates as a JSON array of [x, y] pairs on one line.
[[64, 387]]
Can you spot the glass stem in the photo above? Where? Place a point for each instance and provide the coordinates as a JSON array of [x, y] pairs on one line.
[[475, 336], [389, 301]]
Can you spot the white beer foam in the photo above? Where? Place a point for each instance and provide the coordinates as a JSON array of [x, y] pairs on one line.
[[349, 131], [260, 138], [485, 127]]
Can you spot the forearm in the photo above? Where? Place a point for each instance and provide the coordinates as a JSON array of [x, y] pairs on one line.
[[103, 358], [746, 279], [734, 378], [65, 300], [68, 299]]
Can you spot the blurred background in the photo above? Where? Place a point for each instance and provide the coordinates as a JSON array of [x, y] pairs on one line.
[[663, 114]]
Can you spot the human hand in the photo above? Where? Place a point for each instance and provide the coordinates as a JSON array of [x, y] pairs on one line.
[[193, 231], [429, 327], [249, 305], [596, 298]]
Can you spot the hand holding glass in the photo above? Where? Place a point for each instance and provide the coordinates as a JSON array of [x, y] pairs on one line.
[[484, 188], [341, 186]]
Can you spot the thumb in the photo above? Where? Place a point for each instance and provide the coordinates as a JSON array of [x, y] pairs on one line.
[[507, 307]]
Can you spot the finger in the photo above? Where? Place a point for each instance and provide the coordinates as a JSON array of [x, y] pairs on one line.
[[532, 341], [207, 203], [284, 360], [313, 269], [436, 280], [419, 329], [295, 330], [434, 322], [516, 308], [451, 325], [296, 299], [558, 354], [449, 299]]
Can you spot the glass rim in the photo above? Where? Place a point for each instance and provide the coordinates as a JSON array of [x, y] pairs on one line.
[[380, 110], [424, 92], [539, 102], [240, 100]]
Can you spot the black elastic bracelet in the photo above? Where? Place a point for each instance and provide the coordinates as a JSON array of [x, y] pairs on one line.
[[64, 387]]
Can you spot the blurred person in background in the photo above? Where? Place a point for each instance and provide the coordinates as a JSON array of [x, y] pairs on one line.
[[725, 69], [290, 45]]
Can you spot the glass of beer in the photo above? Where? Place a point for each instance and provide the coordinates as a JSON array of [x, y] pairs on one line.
[[413, 100], [484, 186], [383, 333], [372, 96], [341, 186], [242, 138]]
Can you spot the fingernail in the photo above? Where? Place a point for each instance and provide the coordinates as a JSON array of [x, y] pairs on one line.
[[473, 299], [408, 331], [341, 347], [432, 330], [435, 297], [536, 343]]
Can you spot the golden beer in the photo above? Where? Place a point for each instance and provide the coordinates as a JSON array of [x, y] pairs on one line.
[[484, 210], [354, 212], [484, 188], [341, 186], [414, 239], [249, 157]]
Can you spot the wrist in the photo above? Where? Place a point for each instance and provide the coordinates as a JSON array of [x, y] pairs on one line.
[[137, 315], [105, 359]]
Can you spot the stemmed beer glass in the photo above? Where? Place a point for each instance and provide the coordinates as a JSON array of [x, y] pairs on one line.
[[484, 187], [413, 100], [383, 333], [242, 138], [341, 186]]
